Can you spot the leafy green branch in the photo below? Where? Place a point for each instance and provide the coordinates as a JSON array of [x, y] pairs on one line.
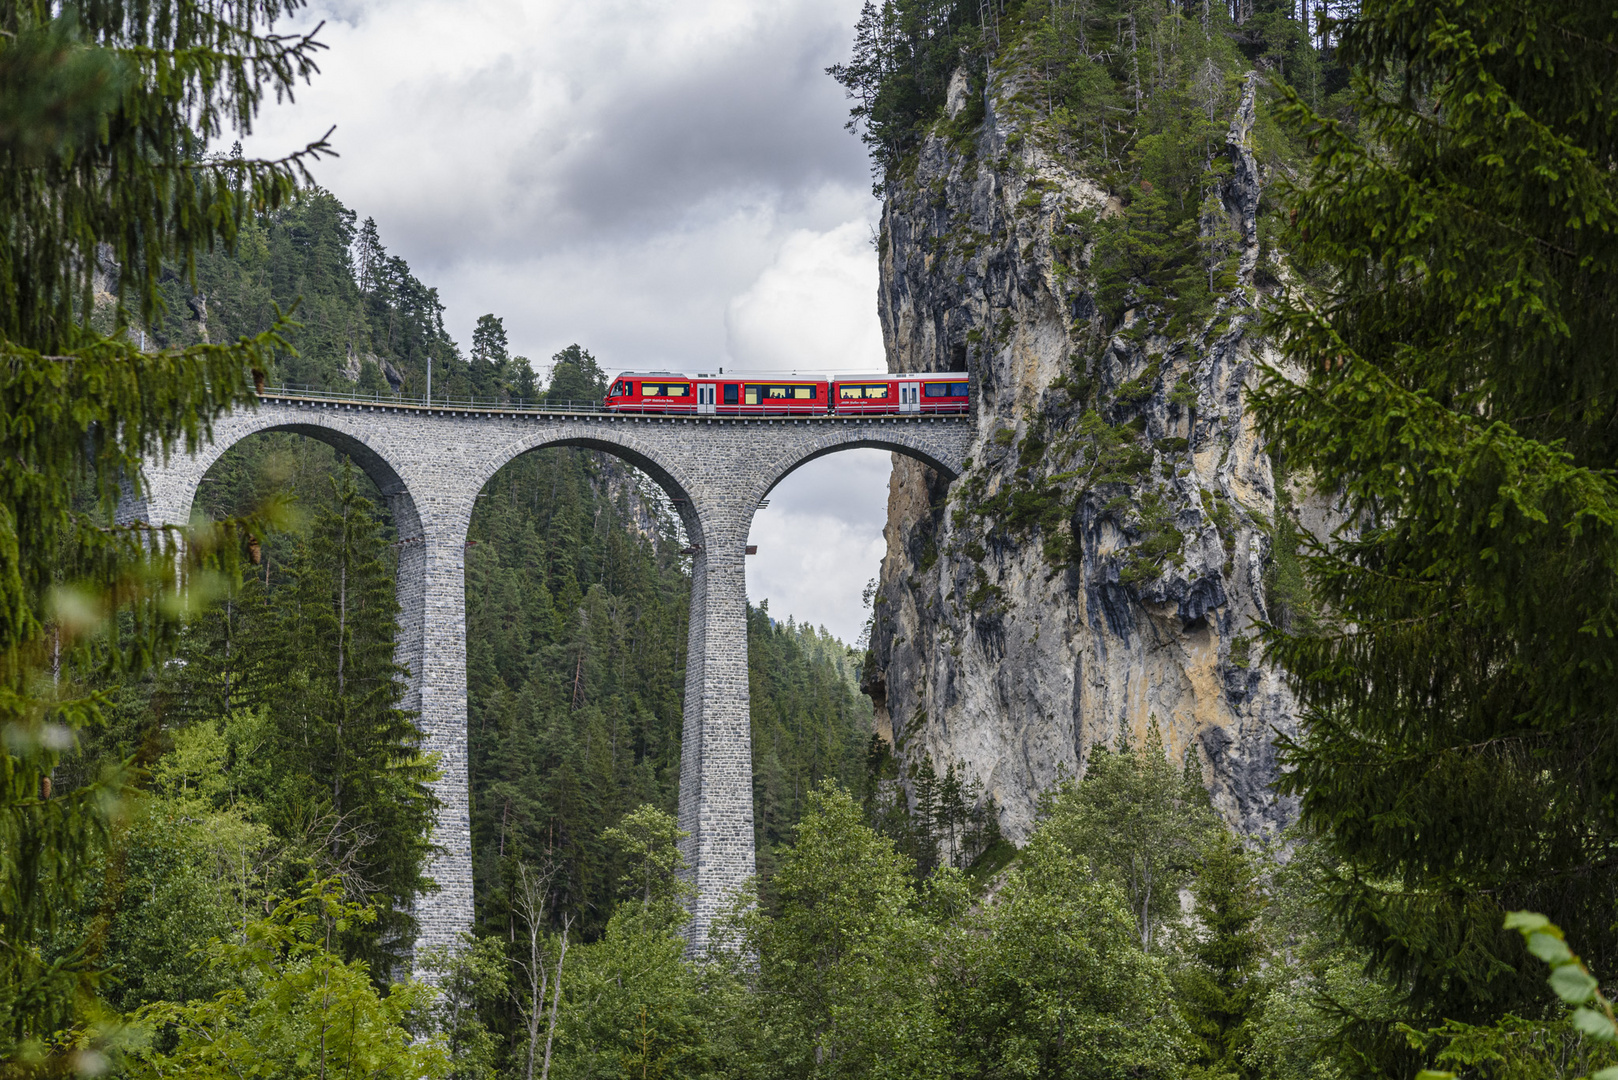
[[1515, 1046]]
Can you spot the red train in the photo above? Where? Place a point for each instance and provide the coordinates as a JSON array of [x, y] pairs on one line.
[[784, 395]]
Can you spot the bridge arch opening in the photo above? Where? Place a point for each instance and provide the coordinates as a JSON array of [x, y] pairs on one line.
[[578, 597], [826, 511], [903, 449], [818, 540], [228, 474], [821, 537], [305, 669]]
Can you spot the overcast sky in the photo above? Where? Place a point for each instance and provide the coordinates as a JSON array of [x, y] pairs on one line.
[[666, 182]]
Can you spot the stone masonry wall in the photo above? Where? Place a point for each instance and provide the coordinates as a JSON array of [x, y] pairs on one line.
[[430, 463]]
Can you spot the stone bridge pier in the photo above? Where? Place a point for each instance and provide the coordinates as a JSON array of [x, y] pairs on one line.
[[431, 463]]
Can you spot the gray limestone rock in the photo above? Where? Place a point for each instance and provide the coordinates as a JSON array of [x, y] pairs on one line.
[[987, 652]]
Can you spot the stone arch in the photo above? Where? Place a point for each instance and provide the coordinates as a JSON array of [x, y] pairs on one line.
[[669, 477], [171, 490], [925, 447]]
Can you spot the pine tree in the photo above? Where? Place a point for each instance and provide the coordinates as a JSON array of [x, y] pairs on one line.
[[489, 359], [348, 748], [369, 255], [525, 384], [1459, 399], [1221, 990]]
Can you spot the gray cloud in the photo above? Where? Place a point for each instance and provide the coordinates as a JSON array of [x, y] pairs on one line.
[[512, 134], [750, 123]]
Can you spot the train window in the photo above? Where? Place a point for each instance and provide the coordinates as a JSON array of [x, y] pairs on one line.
[[853, 393], [730, 394], [619, 388], [780, 393], [665, 389], [947, 389]]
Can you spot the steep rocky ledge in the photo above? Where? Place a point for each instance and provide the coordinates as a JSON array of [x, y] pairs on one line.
[[1104, 559]]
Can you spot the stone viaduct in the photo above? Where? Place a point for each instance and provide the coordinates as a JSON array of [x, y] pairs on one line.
[[430, 463]]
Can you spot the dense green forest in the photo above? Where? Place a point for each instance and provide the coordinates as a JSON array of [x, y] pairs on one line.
[[213, 810], [361, 319]]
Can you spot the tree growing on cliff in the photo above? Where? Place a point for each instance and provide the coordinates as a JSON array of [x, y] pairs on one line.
[[898, 75], [1460, 396]]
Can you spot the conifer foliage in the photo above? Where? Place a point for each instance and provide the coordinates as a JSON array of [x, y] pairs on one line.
[[1454, 382], [1222, 988], [106, 112], [295, 671], [331, 686]]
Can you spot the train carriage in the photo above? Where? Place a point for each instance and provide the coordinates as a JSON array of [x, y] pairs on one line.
[[781, 395], [664, 392], [940, 392]]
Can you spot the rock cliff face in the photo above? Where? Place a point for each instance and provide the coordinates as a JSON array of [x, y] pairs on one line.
[[1104, 559]]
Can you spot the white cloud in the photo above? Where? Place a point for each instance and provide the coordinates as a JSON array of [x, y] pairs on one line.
[[814, 308]]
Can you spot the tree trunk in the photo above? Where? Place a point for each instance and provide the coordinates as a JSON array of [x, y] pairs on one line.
[[556, 999]]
